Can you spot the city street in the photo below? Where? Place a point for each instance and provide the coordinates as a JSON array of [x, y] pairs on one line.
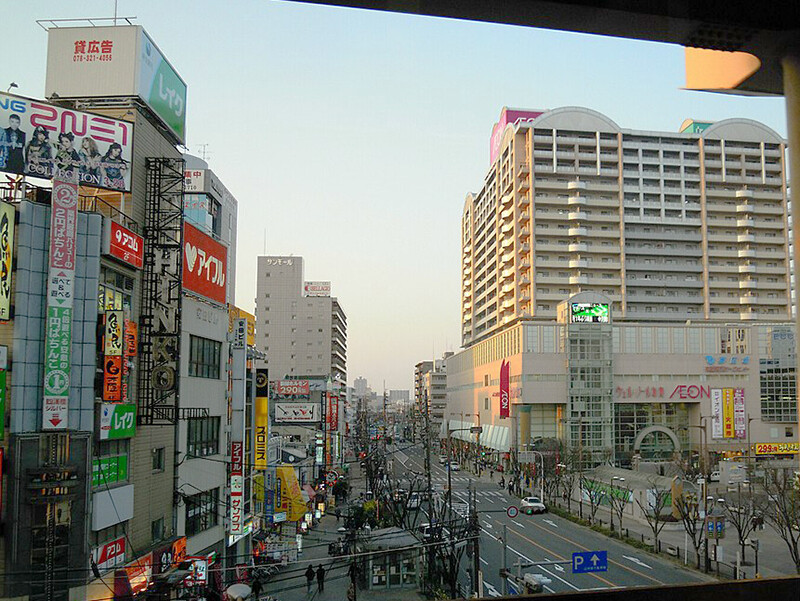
[[543, 538]]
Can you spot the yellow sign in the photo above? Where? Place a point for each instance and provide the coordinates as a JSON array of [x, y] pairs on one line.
[[236, 313], [727, 413], [6, 257], [261, 432], [777, 448], [291, 498], [258, 487]]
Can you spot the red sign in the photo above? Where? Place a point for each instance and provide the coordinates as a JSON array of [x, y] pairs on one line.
[[121, 243], [110, 555], [333, 412], [292, 387], [131, 338], [205, 264], [505, 403], [139, 573], [112, 379]]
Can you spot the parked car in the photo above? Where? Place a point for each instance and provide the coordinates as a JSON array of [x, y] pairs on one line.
[[414, 500], [532, 505], [454, 467], [714, 476]]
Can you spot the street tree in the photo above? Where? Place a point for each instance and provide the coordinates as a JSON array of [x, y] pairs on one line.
[[782, 509], [594, 492], [740, 510], [657, 498], [619, 499], [688, 507]]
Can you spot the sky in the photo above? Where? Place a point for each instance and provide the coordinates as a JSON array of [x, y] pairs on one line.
[[351, 137]]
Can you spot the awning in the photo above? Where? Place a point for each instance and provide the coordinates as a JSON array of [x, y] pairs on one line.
[[292, 501], [310, 491]]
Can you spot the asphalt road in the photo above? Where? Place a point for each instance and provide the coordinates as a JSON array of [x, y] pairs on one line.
[[540, 539]]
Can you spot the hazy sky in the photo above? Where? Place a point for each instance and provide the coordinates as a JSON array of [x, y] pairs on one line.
[[352, 137]]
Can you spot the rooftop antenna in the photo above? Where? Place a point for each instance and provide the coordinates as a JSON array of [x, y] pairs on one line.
[[265, 241], [115, 13], [204, 154]]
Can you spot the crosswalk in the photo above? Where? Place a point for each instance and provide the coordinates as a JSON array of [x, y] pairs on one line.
[[485, 494]]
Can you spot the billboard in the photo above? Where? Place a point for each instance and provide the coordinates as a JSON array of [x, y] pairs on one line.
[[91, 62], [739, 414], [109, 470], [261, 446], [117, 420], [716, 413], [113, 338], [727, 413], [205, 263], [121, 243], [296, 412], [6, 257], [505, 404], [292, 387], [316, 289], [110, 555], [45, 141], [194, 180], [237, 488], [777, 448], [589, 313]]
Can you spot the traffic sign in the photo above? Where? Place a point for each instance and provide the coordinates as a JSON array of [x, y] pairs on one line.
[[512, 511], [332, 477], [476, 429], [589, 561]]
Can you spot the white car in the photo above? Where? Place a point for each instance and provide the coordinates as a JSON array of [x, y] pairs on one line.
[[413, 501], [442, 459], [714, 476], [454, 467], [532, 505]]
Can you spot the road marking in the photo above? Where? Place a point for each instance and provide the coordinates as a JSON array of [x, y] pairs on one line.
[[529, 560], [487, 525], [637, 561], [492, 591], [551, 522], [484, 562], [521, 525]]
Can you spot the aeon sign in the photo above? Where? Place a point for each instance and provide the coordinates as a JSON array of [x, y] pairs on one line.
[[691, 392], [205, 264]]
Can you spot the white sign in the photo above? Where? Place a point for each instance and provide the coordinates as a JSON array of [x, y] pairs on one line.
[[198, 571], [296, 412], [110, 555], [194, 180], [317, 289], [716, 413]]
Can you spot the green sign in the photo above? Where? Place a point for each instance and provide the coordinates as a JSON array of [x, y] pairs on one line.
[[117, 420], [58, 340], [589, 313], [162, 88], [108, 470]]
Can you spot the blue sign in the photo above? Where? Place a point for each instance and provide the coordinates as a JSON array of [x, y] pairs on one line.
[[589, 561]]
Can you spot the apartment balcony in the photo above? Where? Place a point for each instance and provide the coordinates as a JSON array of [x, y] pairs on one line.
[[524, 216], [745, 208], [509, 256], [578, 279], [507, 304], [745, 222], [578, 263], [746, 253], [576, 185], [507, 213], [744, 194], [525, 247], [523, 186], [577, 216], [505, 289], [748, 300], [748, 316], [507, 199], [578, 247], [576, 201], [507, 227], [577, 231], [506, 242], [525, 263], [525, 280], [748, 284], [524, 201], [523, 170], [507, 273], [524, 232], [745, 238], [748, 268]]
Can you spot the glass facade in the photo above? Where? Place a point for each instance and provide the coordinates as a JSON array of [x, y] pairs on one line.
[[777, 367]]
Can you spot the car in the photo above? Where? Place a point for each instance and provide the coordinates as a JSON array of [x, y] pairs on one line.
[[531, 505], [442, 459], [414, 500], [714, 476], [454, 467]]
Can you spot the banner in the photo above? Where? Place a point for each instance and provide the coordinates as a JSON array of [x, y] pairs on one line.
[[114, 333], [117, 420], [334, 412], [504, 393], [261, 426], [716, 413], [727, 413], [131, 338], [60, 284], [6, 257], [296, 412], [739, 414], [205, 264], [50, 142], [112, 379], [292, 387], [237, 488], [777, 448], [109, 470]]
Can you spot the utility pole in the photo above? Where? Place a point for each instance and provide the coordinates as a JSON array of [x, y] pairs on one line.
[[427, 441]]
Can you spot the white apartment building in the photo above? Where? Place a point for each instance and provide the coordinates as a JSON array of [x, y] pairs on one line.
[[300, 326], [669, 226]]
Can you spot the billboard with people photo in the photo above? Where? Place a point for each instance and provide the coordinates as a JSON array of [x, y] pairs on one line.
[[40, 140]]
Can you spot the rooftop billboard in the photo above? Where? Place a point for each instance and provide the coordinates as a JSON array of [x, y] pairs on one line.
[[100, 62]]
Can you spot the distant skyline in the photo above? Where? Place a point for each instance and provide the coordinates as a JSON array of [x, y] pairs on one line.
[[352, 137]]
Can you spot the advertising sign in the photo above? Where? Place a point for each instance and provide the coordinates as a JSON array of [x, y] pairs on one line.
[[117, 420], [131, 338], [333, 408], [110, 555], [109, 470], [114, 333], [292, 387], [123, 244], [237, 488], [317, 289], [194, 181], [235, 313], [727, 413], [60, 284], [6, 257], [589, 313], [198, 574], [204, 264], [262, 382], [777, 448], [716, 413], [47, 141], [261, 426], [239, 334], [296, 412], [739, 415], [112, 379], [505, 404], [2, 404], [115, 61], [139, 573]]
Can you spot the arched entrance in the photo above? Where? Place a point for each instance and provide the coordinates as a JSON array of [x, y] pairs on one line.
[[653, 442]]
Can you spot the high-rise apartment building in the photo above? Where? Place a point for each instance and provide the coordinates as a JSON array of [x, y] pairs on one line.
[[669, 226], [301, 327], [430, 389]]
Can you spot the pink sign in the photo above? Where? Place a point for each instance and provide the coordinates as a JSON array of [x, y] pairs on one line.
[[237, 488], [739, 415], [504, 396], [507, 116]]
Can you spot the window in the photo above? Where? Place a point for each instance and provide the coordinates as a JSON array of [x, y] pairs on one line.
[[201, 511], [203, 436], [157, 529], [158, 459], [204, 357]]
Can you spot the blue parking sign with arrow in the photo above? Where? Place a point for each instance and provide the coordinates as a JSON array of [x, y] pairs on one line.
[[589, 561]]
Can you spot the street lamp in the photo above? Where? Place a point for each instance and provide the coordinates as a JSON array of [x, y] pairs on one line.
[[614, 480]]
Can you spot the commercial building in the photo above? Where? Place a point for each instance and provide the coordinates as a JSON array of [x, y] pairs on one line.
[[430, 390], [627, 292]]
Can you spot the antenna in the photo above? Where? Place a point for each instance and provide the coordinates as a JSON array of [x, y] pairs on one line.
[[204, 154]]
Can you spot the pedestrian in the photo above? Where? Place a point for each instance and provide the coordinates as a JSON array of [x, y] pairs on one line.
[[491, 474], [338, 514], [309, 578], [320, 578], [256, 588], [511, 487]]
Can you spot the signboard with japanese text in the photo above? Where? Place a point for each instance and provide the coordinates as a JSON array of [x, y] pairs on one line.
[[198, 574], [716, 413], [110, 555], [104, 61], [235, 313], [50, 142], [505, 402], [194, 181], [122, 244], [739, 414], [261, 426], [333, 407], [204, 264], [60, 284], [117, 420], [727, 413], [292, 387], [113, 338], [777, 448], [6, 257], [139, 573], [296, 412], [316, 289], [237, 488], [109, 470], [112, 378], [589, 313], [131, 338]]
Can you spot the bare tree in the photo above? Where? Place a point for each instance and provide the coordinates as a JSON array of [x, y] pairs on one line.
[[783, 508], [595, 491], [741, 510], [569, 471], [688, 506], [619, 499], [653, 508]]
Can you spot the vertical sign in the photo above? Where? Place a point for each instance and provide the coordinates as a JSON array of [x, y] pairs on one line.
[[6, 257], [261, 420], [237, 488], [727, 412], [504, 385], [2, 404], [326, 404], [334, 409], [114, 334], [739, 416], [60, 284], [716, 413]]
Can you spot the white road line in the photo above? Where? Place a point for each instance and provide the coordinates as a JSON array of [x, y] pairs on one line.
[[487, 525], [492, 591], [520, 524], [569, 584], [637, 561], [552, 523], [484, 562]]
